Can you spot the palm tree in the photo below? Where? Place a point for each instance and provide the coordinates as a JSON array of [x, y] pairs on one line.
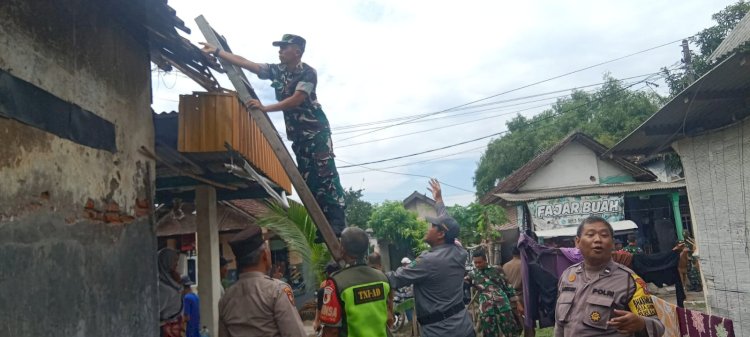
[[296, 228]]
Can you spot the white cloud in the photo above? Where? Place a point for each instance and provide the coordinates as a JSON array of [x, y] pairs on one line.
[[386, 59]]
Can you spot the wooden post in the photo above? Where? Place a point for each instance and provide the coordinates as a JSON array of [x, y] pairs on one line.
[[208, 257], [244, 90]]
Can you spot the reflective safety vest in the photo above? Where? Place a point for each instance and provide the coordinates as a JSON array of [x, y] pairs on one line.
[[356, 300]]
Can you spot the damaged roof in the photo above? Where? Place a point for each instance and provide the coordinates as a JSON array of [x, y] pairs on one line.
[[156, 24]]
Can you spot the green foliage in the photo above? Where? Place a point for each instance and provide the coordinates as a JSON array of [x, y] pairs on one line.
[[607, 115], [707, 41], [296, 228], [391, 222], [358, 211], [474, 220]]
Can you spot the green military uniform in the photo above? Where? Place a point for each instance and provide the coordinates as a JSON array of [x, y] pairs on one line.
[[632, 249], [694, 276], [497, 299], [308, 129]]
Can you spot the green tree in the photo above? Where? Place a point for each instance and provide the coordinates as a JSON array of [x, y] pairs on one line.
[[358, 211], [607, 114], [474, 220], [391, 222], [296, 229], [707, 41]]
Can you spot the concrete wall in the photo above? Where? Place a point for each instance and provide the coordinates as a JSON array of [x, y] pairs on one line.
[[574, 165], [77, 245], [717, 171], [422, 209]]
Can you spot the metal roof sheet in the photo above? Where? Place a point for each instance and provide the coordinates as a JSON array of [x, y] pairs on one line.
[[736, 38], [590, 190], [714, 101]]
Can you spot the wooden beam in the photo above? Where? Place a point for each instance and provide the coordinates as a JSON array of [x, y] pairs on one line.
[[189, 196], [148, 153], [246, 92]]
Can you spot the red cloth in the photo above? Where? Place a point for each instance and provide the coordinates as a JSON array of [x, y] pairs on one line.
[[698, 324]]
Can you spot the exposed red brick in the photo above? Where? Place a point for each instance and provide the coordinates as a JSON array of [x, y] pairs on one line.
[[141, 203], [45, 195], [141, 212], [113, 207], [111, 217], [90, 204]]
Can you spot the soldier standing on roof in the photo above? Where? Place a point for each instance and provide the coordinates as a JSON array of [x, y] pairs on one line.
[[306, 123]]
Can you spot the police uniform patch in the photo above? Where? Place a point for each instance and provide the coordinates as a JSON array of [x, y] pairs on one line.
[[369, 293], [641, 303], [571, 278], [595, 316], [289, 294]]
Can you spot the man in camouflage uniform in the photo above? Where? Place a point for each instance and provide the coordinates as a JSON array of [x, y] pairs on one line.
[[499, 308], [632, 247], [306, 123]]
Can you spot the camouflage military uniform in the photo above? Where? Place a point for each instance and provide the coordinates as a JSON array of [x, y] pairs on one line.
[[632, 249], [497, 300], [308, 129]]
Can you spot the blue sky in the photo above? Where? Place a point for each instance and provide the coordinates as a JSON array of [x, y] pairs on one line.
[[383, 60]]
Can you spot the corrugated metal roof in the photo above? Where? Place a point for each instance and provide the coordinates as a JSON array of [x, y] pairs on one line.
[[714, 101], [738, 37], [590, 190]]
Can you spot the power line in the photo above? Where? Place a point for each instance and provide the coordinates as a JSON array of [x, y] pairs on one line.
[[415, 175], [494, 134], [462, 123], [421, 161], [522, 87], [354, 126]]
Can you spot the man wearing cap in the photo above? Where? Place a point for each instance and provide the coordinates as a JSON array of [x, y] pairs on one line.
[[306, 123], [257, 305], [191, 308], [357, 300], [437, 276]]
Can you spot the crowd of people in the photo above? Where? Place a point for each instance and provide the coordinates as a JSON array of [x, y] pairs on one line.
[[597, 297]]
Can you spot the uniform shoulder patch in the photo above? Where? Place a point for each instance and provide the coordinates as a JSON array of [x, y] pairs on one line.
[[288, 291], [641, 303]]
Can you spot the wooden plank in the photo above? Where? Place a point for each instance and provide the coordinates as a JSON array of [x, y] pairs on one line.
[[266, 127]]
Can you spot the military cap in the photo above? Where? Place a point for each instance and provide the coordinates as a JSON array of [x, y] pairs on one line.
[[291, 39], [246, 242], [447, 224]]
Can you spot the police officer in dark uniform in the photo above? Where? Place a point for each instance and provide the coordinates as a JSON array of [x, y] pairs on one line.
[[257, 305], [438, 277], [306, 124], [599, 297]]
